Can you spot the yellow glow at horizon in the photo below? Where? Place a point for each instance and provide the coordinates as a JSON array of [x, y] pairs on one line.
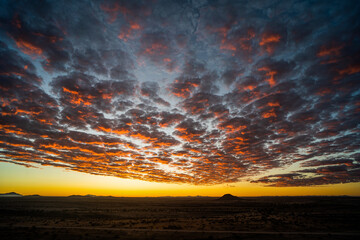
[[52, 181]]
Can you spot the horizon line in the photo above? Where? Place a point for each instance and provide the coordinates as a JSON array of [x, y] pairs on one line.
[[93, 195]]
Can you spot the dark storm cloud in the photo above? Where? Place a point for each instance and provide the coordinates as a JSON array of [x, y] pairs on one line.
[[201, 92]]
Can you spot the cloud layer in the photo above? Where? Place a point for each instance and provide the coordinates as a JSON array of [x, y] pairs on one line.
[[199, 92]]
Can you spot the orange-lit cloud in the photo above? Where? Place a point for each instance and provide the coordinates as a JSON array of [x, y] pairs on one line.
[[270, 73], [269, 114], [77, 99], [269, 41], [329, 51], [128, 32], [28, 48]]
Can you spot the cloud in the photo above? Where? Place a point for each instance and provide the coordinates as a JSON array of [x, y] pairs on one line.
[[202, 92], [319, 176], [150, 90]]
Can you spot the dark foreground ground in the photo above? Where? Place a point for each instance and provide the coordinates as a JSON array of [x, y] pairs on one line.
[[179, 218]]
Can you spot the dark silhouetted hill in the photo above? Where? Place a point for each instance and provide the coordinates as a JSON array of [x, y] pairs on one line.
[[34, 195], [10, 194], [228, 197]]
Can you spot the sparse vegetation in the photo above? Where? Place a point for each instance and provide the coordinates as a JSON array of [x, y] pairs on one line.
[[178, 218]]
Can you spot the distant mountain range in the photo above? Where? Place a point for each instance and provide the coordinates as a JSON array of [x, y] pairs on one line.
[[14, 194], [226, 197], [10, 194]]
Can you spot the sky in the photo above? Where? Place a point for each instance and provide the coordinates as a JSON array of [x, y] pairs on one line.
[[177, 98]]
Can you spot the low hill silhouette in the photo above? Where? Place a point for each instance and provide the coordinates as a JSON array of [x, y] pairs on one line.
[[228, 197], [33, 195], [10, 194], [82, 196]]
